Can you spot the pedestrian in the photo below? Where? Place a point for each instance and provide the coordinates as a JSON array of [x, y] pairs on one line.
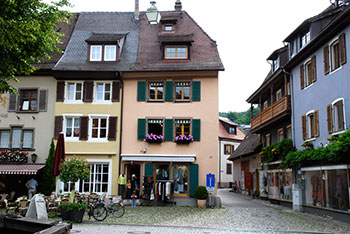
[[134, 184], [129, 189], [133, 199], [122, 182], [31, 186]]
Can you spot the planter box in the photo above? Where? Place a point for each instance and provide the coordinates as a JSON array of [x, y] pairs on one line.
[[183, 142], [154, 141], [72, 215]]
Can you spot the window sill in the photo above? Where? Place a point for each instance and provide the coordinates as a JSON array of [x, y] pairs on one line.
[[307, 87], [310, 139], [155, 101], [338, 132], [27, 112], [183, 101], [98, 140], [334, 71], [67, 139], [73, 102], [19, 149], [102, 102]]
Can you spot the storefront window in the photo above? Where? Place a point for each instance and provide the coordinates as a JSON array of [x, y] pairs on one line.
[[280, 185], [162, 172], [180, 177]]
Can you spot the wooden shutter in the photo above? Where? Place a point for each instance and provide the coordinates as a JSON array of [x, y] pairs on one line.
[[341, 115], [43, 99], [141, 90], [84, 127], [12, 103], [149, 169], [196, 91], [317, 125], [112, 129], [196, 129], [303, 124], [302, 76], [88, 91], [116, 92], [342, 48], [193, 179], [141, 129], [329, 118], [326, 59], [60, 91], [313, 65], [169, 91], [168, 130], [58, 126]]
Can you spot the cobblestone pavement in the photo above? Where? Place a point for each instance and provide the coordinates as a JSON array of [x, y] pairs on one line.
[[239, 215]]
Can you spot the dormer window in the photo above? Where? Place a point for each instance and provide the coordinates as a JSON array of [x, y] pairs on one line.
[[168, 27], [96, 53], [275, 64], [176, 52], [305, 39], [110, 52]]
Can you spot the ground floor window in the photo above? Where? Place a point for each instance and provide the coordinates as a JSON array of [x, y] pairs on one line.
[[280, 184]]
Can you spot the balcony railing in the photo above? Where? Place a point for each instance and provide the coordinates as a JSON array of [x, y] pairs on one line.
[[271, 112]]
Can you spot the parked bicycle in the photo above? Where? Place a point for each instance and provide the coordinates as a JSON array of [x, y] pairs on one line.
[[101, 209]]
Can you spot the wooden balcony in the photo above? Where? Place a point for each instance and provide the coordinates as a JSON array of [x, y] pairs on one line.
[[278, 109]]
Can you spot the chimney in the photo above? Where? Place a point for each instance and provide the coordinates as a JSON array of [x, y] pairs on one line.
[[137, 10], [178, 5]]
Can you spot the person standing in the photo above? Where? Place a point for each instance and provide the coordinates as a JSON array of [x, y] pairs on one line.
[[122, 183], [134, 185], [31, 186], [133, 199]]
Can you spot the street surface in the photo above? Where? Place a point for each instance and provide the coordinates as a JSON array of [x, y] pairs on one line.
[[239, 215]]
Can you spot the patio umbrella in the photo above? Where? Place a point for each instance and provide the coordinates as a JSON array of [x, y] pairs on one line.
[[59, 155]]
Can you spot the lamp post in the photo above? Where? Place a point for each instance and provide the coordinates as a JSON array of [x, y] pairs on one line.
[[34, 157], [153, 14]]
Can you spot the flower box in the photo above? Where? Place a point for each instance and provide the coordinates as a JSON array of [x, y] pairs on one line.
[[13, 156], [153, 138], [183, 139]]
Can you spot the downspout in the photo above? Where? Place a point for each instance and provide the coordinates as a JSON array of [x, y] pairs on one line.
[[219, 162], [121, 120]]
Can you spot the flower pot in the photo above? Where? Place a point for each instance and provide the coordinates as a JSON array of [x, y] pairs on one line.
[[154, 141], [202, 203], [72, 215], [183, 142]]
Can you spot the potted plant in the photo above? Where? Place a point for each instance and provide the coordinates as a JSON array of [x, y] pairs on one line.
[[72, 171], [201, 194], [153, 138], [183, 139], [307, 145]]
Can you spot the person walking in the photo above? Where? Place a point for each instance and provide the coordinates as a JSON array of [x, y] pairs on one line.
[[134, 184], [122, 184], [31, 186], [133, 199]]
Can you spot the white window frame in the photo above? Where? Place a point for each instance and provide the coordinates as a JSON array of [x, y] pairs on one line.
[[275, 64], [336, 132], [309, 137], [91, 49], [305, 39], [104, 90], [65, 116], [99, 116], [306, 75], [105, 53], [9, 138], [330, 56], [74, 101], [292, 50]]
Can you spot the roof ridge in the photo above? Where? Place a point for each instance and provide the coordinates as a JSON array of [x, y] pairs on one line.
[[195, 22]]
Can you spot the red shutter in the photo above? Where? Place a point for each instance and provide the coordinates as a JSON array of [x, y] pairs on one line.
[[313, 65], [58, 126], [88, 91], [84, 127], [303, 123], [329, 118], [342, 48], [60, 91], [116, 92], [326, 59], [317, 125], [112, 129], [302, 76]]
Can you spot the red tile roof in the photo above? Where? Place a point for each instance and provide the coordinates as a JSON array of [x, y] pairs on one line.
[[224, 134]]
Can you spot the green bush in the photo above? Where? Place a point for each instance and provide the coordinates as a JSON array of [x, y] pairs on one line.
[[277, 151], [48, 181], [70, 206], [201, 193]]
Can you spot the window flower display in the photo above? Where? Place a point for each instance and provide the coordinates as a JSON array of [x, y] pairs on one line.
[[13, 156], [183, 139], [153, 138]]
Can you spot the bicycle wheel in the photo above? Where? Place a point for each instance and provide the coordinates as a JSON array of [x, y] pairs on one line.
[[99, 212], [117, 210]]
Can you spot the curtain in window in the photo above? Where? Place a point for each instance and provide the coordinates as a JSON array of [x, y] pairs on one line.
[[16, 138], [27, 139], [4, 139]]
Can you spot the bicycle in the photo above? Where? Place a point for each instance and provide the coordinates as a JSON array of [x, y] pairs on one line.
[[101, 210]]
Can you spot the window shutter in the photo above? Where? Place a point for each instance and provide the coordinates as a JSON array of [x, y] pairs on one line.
[[141, 90], [116, 92], [302, 76], [84, 127], [196, 129], [112, 129], [193, 179], [303, 123], [88, 91], [60, 91], [43, 99], [317, 126], [141, 129], [329, 118], [149, 169], [169, 91], [58, 126], [313, 65], [342, 48], [341, 115], [168, 130], [12, 102], [196, 91], [326, 59]]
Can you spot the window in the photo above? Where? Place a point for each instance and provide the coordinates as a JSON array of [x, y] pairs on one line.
[[182, 127], [103, 92], [162, 172], [291, 49], [289, 132], [180, 177], [278, 95], [74, 91], [16, 138], [156, 91], [228, 149], [305, 39], [267, 140], [176, 52], [72, 127], [96, 53], [29, 100], [310, 125], [168, 27], [335, 56], [308, 74], [232, 130], [4, 138], [98, 127], [182, 90], [265, 105], [228, 169], [335, 116], [155, 126], [110, 52], [275, 64], [280, 134], [27, 139]]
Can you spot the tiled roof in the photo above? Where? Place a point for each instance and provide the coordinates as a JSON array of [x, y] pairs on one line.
[[249, 146], [224, 134], [92, 23], [203, 51], [102, 37]]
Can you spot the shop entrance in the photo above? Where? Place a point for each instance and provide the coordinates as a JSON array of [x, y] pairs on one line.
[[133, 169]]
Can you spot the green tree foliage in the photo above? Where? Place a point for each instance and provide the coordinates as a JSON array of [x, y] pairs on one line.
[[48, 183], [278, 151], [241, 118], [73, 170], [27, 36]]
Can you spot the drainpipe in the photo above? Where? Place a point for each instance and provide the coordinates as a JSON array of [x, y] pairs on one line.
[[121, 119], [219, 162]]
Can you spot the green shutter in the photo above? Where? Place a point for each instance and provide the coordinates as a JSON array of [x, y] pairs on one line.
[[196, 91], [149, 169], [169, 91], [141, 129], [141, 90], [169, 130], [196, 129], [193, 179]]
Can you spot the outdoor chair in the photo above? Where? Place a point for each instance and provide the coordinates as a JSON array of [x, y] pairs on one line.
[[51, 206], [23, 207], [64, 200], [11, 206]]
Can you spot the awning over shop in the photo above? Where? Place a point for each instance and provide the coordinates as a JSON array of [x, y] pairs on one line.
[[20, 169], [158, 158]]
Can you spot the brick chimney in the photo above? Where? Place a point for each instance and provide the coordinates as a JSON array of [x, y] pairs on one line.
[[137, 10], [178, 5]]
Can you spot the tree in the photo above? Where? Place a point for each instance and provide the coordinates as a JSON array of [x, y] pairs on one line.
[[48, 182], [27, 36]]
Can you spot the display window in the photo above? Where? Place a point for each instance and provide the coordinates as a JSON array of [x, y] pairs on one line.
[[280, 184]]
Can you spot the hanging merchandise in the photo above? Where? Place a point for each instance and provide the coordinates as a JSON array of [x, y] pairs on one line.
[[167, 189], [152, 195]]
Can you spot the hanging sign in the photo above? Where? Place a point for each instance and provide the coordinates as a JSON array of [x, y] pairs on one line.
[[211, 183]]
